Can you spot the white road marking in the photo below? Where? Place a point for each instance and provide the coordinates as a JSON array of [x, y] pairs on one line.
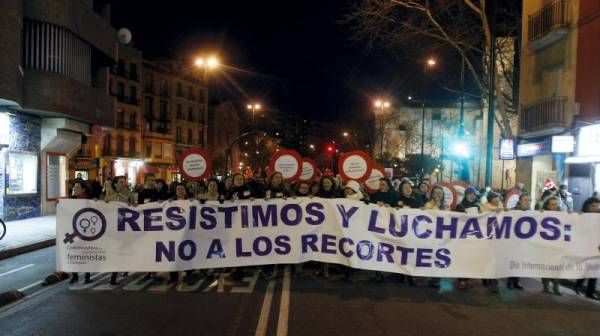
[[263, 320], [284, 306], [16, 270], [252, 280], [30, 286], [138, 284]]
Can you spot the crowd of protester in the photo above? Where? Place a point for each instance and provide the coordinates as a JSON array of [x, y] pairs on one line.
[[400, 193]]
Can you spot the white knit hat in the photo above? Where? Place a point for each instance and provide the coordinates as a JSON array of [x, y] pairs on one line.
[[353, 185]]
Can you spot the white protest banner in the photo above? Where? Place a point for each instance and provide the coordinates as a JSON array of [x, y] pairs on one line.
[[96, 236]]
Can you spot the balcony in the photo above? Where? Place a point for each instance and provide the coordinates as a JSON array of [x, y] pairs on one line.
[[549, 24], [542, 118], [128, 126]]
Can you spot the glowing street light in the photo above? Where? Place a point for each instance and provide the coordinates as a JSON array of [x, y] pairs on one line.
[[380, 106], [253, 107], [431, 62], [461, 149], [312, 146], [345, 134], [211, 62]]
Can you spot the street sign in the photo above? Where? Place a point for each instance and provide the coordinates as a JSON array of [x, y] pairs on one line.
[[355, 165], [194, 164], [309, 170], [288, 163], [372, 182]]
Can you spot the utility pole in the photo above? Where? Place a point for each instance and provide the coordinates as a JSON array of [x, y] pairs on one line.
[[491, 85]]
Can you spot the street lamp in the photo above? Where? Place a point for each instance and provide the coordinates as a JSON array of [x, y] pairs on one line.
[[206, 64], [380, 107], [253, 107], [429, 64], [345, 134]]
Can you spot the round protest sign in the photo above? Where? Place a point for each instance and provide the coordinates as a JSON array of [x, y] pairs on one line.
[[460, 188], [512, 198], [194, 164], [372, 183], [450, 196], [288, 163], [355, 165], [309, 170]]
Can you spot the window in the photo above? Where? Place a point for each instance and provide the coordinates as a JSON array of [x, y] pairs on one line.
[[120, 145], [179, 112], [120, 90], [148, 83], [190, 114], [179, 90], [148, 150], [164, 110], [189, 139], [132, 145], [22, 173], [164, 88], [200, 138], [201, 95], [132, 121], [121, 67], [106, 144], [178, 135], [190, 93], [133, 94], [149, 108], [120, 117], [133, 71]]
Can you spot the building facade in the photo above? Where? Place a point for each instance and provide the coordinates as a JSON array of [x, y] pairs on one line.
[[53, 95], [558, 94]]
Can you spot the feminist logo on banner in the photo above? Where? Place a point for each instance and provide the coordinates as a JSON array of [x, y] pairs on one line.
[[288, 163], [194, 164]]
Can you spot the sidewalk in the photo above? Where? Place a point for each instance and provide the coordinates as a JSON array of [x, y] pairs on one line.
[[27, 235]]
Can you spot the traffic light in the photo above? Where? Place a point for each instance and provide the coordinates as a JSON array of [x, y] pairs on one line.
[[330, 149]]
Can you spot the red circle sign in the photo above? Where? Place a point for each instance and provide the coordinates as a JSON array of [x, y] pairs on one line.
[[460, 187], [372, 182], [194, 164], [288, 163], [450, 197], [512, 198], [355, 165], [309, 170]]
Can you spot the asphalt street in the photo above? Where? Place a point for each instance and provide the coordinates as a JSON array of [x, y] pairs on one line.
[[289, 304]]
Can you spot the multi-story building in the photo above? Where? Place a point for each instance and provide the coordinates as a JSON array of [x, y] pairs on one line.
[[175, 113], [53, 97], [559, 94], [224, 126], [122, 143]]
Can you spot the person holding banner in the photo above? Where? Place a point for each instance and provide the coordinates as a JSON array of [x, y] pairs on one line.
[[181, 194], [437, 199], [302, 189], [122, 194], [423, 191], [275, 187], [408, 199], [551, 203], [79, 192], [590, 205], [385, 195], [162, 190], [212, 192], [524, 204], [469, 205], [327, 190], [149, 193], [239, 189]]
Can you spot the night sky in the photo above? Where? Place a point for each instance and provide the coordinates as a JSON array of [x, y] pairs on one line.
[[295, 56]]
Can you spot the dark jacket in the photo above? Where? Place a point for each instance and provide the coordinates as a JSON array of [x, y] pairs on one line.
[[465, 205], [332, 193], [414, 201], [147, 196], [240, 193], [280, 192], [387, 197], [258, 189]]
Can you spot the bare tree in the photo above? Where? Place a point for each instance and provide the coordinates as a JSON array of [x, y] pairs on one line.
[[461, 26]]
